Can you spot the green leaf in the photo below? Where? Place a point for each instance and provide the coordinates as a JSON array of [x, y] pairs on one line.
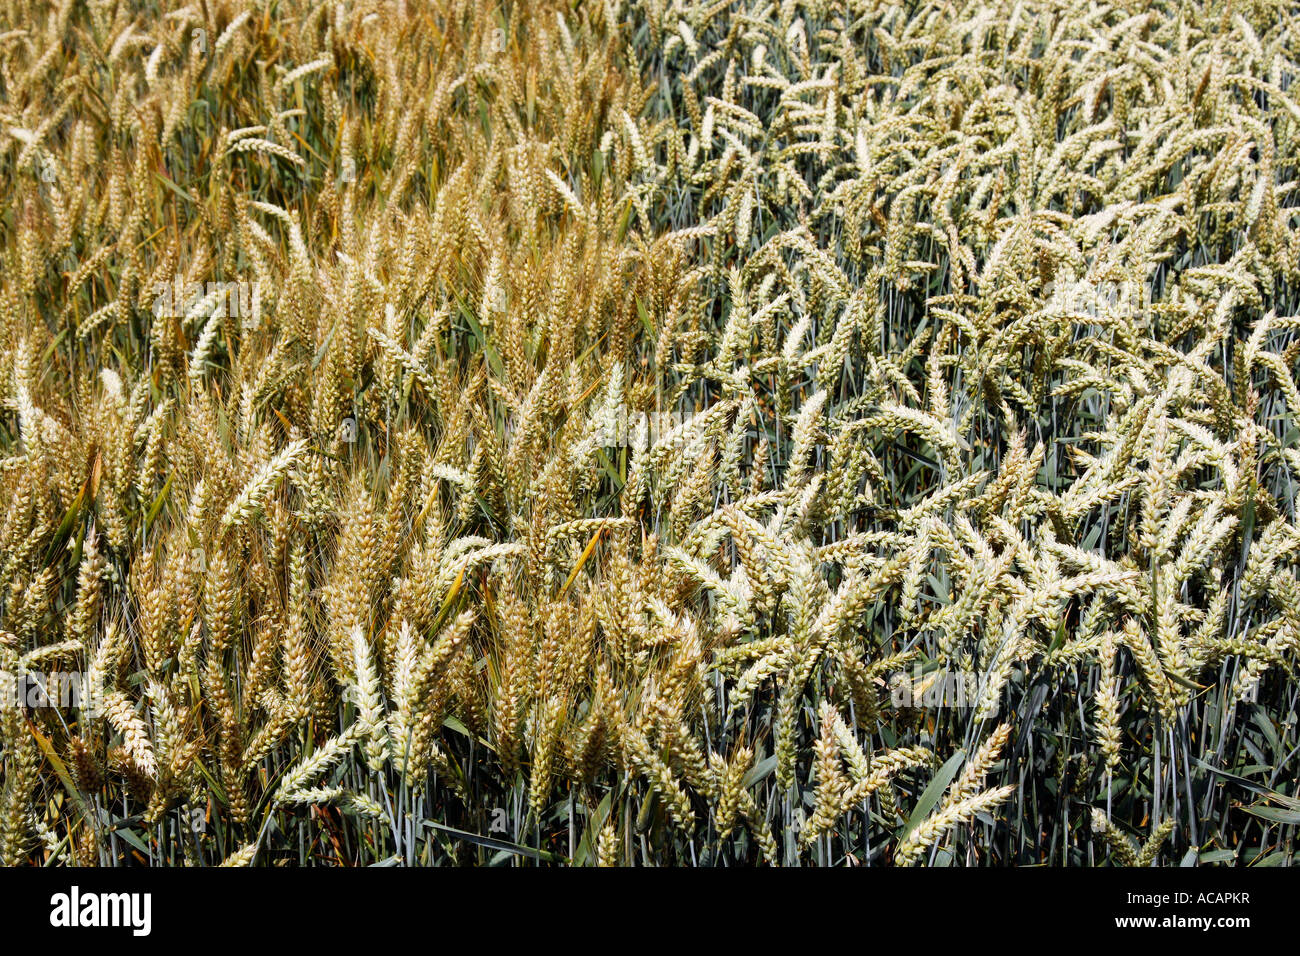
[[493, 844], [1290, 802], [1273, 814], [494, 360], [1219, 856], [759, 771], [932, 793], [1276, 858], [130, 837], [645, 319], [587, 845]]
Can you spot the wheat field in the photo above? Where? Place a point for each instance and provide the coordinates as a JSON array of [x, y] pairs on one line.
[[649, 432]]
